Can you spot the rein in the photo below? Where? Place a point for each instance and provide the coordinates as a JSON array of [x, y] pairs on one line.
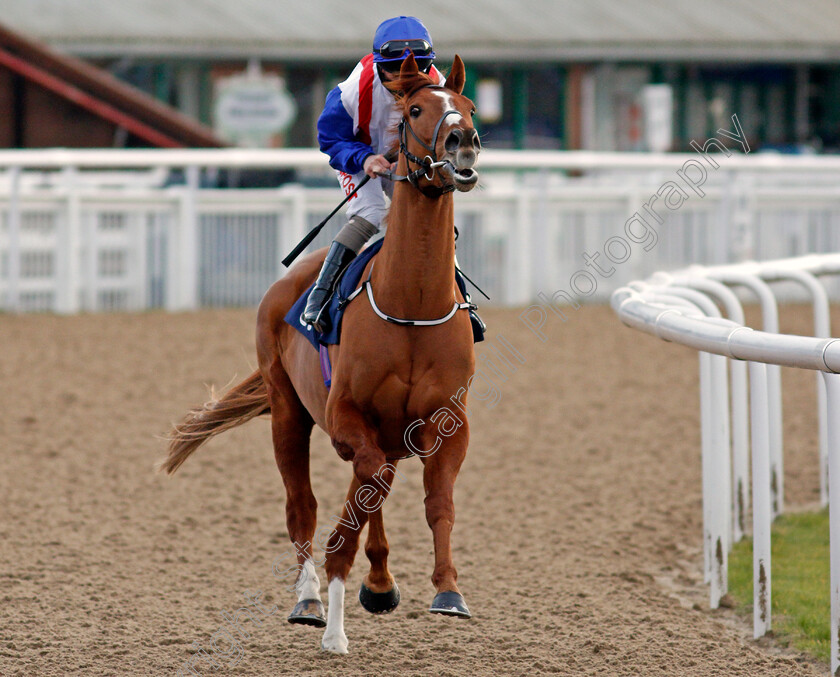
[[426, 165], [411, 177]]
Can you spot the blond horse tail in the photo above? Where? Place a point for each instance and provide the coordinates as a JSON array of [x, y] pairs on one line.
[[238, 405]]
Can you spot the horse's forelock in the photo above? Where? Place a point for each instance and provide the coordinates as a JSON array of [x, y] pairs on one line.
[[405, 86]]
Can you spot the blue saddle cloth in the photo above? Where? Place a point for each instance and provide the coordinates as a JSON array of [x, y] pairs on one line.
[[346, 286]]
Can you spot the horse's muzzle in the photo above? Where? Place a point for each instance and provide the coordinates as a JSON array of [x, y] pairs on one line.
[[463, 177], [462, 147]]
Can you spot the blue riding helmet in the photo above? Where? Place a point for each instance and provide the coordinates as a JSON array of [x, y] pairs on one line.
[[394, 37]]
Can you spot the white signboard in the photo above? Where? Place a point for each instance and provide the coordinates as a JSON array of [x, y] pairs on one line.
[[488, 99], [251, 107], [658, 103]]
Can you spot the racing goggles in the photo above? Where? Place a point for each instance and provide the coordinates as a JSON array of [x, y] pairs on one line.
[[394, 49]]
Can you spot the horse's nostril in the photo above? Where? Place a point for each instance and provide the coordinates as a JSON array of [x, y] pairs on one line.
[[476, 142], [453, 140]]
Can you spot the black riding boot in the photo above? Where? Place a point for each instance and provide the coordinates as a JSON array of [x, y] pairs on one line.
[[338, 257]]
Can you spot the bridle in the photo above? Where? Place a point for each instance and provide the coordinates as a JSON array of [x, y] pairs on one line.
[[427, 167], [429, 163]]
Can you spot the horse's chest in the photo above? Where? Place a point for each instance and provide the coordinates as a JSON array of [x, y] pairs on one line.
[[416, 386], [406, 378]]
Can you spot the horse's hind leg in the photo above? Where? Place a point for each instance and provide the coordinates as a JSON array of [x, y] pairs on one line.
[[379, 593], [291, 427]]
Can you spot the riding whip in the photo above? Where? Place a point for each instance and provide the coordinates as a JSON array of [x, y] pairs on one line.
[[312, 234]]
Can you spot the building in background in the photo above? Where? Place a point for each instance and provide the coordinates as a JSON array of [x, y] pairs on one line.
[[599, 75], [49, 99]]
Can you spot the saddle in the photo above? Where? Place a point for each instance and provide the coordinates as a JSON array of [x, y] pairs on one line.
[[347, 284]]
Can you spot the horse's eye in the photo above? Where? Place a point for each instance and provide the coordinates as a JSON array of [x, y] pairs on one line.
[[414, 111], [472, 112]]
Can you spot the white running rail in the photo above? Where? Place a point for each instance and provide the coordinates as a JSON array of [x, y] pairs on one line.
[[684, 307], [101, 230]]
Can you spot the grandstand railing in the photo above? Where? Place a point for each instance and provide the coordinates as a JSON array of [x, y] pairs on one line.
[[685, 307], [99, 230]]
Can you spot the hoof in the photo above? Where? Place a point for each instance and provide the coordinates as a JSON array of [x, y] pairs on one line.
[[379, 602], [450, 604], [309, 612], [335, 643]]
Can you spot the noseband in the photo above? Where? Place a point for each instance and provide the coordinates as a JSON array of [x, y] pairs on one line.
[[428, 163]]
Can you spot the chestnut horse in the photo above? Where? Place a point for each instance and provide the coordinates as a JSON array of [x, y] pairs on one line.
[[389, 379]]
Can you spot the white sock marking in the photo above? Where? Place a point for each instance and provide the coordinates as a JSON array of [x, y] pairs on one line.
[[308, 585], [334, 638]]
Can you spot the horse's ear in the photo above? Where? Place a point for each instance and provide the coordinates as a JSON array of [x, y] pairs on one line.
[[409, 67], [456, 78]]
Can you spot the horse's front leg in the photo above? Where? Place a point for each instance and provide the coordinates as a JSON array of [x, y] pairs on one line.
[[439, 472], [354, 439], [379, 593], [341, 551]]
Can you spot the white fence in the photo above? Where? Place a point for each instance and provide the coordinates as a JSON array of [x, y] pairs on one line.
[[125, 230], [684, 307]]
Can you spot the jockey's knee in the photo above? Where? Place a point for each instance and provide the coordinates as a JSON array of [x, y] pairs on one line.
[[356, 232]]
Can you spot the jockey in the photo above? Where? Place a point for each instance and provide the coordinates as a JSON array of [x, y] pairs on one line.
[[356, 128]]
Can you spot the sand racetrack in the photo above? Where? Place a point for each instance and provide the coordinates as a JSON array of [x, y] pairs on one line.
[[578, 512]]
